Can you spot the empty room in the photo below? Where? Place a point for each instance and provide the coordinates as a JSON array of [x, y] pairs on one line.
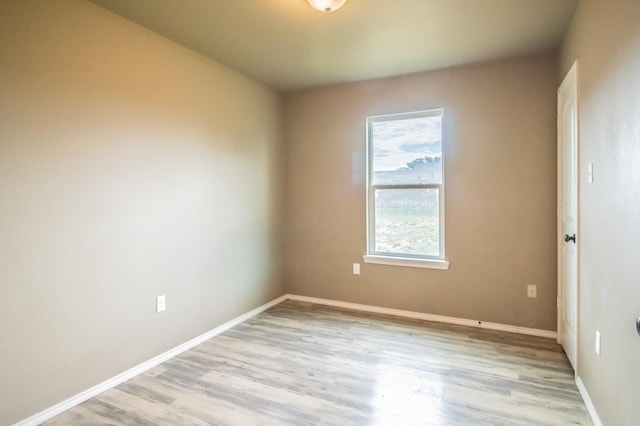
[[319, 212]]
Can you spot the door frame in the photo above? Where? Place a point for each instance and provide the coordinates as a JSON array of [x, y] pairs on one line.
[[570, 76]]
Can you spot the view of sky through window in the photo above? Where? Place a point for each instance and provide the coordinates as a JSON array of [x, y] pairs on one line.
[[399, 142]]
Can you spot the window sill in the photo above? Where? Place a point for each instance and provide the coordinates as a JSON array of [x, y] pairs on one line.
[[406, 261]]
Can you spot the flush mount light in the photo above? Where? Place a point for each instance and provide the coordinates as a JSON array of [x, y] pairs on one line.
[[326, 5]]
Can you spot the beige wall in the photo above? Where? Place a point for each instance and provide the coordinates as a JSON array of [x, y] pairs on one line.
[[129, 167], [605, 38], [500, 148]]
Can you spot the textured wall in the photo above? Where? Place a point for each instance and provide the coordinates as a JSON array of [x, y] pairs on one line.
[[129, 167], [500, 171], [605, 38]]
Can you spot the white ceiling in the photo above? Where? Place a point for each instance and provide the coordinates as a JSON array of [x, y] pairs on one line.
[[288, 45]]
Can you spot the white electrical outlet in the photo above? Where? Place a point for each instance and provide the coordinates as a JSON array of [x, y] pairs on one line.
[[532, 291], [356, 269], [161, 303], [598, 342]]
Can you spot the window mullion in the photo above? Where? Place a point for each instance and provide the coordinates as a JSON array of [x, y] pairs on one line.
[[408, 186]]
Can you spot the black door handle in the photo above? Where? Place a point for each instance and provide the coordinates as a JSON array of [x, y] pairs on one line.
[[568, 238]]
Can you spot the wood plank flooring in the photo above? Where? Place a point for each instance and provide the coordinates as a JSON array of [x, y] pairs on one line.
[[307, 364]]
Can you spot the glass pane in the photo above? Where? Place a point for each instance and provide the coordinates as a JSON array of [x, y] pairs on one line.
[[407, 151], [407, 221]]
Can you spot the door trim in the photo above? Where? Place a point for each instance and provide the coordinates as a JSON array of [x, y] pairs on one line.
[[572, 74]]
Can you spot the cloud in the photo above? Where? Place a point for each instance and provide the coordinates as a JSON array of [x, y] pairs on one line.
[[397, 142]]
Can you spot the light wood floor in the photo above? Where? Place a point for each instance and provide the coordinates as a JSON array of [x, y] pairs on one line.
[[304, 364]]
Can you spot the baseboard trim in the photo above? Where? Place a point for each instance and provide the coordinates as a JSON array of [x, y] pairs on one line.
[[69, 403], [426, 317], [141, 368], [588, 402]]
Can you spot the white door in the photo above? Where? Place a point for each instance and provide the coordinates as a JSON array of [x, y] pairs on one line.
[[568, 290]]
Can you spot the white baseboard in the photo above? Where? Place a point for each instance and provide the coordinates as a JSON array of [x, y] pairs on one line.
[[588, 402], [141, 368], [426, 317], [50, 412]]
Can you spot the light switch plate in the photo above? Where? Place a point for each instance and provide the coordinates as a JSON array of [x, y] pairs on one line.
[[161, 303], [590, 173], [356, 269]]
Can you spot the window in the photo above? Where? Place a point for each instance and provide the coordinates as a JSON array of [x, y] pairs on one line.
[[405, 189]]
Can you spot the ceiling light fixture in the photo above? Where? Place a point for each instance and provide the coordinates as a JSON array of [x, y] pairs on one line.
[[327, 5]]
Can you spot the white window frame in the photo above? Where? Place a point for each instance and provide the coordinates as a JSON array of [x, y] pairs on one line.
[[398, 259]]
